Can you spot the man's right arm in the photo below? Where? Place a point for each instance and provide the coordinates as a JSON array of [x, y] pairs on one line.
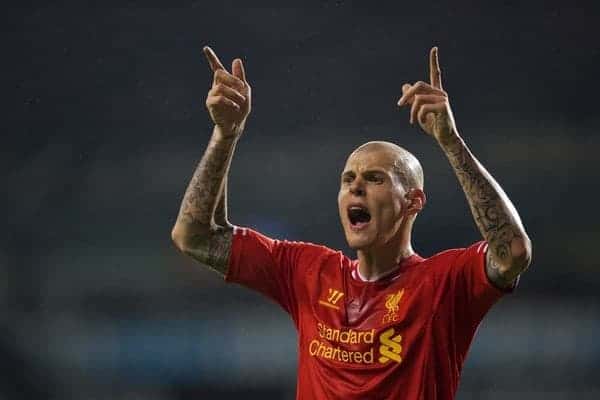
[[202, 230], [196, 232]]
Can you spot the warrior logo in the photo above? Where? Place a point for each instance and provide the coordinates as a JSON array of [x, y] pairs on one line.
[[333, 296], [391, 303]]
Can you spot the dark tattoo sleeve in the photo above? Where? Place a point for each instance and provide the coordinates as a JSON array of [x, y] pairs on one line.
[[496, 217], [202, 229]]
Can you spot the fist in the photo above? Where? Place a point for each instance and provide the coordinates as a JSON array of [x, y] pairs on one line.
[[229, 98], [429, 102]]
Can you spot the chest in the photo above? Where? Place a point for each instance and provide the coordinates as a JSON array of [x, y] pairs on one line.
[[355, 325], [407, 300]]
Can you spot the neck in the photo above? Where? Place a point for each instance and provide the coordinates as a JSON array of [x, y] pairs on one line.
[[378, 261]]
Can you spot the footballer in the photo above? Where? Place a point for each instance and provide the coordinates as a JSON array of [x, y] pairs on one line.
[[388, 324]]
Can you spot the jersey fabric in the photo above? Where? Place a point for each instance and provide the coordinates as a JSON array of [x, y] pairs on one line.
[[404, 336]]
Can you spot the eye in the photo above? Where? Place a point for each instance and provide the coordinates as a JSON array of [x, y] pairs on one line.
[[347, 178], [375, 178]]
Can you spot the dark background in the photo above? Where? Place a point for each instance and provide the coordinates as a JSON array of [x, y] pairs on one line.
[[104, 121]]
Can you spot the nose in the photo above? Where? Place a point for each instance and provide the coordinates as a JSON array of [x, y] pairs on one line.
[[357, 188]]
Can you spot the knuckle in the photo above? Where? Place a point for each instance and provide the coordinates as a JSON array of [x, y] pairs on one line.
[[220, 76], [211, 101], [239, 84], [237, 93]]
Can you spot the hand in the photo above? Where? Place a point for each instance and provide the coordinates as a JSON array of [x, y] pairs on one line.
[[430, 105], [228, 100]]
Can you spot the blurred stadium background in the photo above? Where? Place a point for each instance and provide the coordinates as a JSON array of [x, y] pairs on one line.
[[104, 122]]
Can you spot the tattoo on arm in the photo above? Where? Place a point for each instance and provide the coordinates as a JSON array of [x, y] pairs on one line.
[[494, 214], [200, 199], [213, 250], [493, 272], [202, 219]]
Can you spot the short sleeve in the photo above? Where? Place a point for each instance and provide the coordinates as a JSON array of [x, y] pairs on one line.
[[474, 292], [266, 265]]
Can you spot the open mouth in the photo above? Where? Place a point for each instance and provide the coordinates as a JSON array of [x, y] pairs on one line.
[[359, 216]]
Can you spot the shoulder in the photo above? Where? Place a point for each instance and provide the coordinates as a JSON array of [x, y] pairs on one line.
[[443, 259], [455, 259], [316, 262], [458, 255], [302, 250], [315, 251]]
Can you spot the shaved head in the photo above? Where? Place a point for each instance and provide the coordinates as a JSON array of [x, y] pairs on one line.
[[405, 165], [381, 193]]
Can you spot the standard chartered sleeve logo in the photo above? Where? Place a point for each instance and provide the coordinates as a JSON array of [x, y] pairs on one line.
[[390, 347]]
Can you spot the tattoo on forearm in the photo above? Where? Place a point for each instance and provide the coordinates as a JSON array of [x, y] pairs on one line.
[[493, 212], [200, 200], [203, 213]]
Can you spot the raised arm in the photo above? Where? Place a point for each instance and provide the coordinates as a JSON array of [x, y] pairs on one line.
[[509, 247], [202, 229]]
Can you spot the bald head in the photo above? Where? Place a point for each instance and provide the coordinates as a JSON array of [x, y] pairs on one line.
[[405, 165]]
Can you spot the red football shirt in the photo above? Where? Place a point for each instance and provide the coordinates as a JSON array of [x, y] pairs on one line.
[[404, 336]]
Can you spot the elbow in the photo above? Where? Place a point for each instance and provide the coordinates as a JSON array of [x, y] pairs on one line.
[[521, 253], [505, 270], [209, 246], [179, 238], [190, 237], [183, 236]]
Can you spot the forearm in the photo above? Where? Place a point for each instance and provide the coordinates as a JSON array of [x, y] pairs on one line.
[[202, 230], [204, 190], [220, 216], [494, 213]]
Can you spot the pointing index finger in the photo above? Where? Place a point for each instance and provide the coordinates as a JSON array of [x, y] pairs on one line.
[[435, 74], [212, 58]]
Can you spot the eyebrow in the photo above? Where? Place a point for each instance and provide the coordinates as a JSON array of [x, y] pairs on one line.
[[370, 171]]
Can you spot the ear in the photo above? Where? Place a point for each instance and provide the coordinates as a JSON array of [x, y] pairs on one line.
[[416, 200]]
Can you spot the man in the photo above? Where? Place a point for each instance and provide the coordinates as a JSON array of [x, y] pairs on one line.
[[391, 324]]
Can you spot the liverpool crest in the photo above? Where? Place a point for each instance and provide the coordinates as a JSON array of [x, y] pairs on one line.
[[392, 304]]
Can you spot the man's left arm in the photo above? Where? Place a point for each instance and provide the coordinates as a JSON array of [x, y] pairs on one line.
[[509, 247]]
